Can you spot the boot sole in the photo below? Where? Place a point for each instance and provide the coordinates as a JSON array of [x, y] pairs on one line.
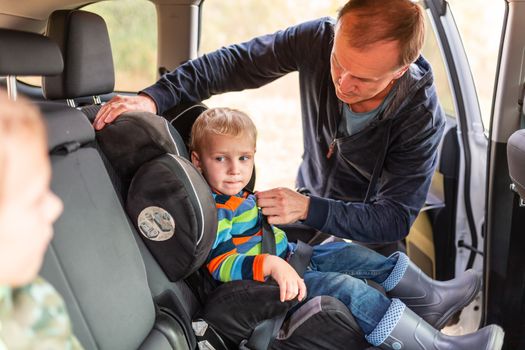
[[442, 322]]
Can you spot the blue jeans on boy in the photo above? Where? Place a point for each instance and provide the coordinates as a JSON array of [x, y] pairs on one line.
[[339, 270]]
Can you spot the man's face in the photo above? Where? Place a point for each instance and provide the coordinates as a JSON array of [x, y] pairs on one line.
[[361, 75], [27, 211], [226, 162]]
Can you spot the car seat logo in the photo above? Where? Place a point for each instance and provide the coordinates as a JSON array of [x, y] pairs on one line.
[[156, 224]]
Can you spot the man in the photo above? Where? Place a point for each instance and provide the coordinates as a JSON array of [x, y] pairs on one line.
[[371, 119]]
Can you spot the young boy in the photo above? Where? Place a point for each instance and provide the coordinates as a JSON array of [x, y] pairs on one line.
[[223, 143], [32, 314]]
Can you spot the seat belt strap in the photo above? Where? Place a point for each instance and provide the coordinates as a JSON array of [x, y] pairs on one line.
[[266, 331], [300, 258], [268, 238]]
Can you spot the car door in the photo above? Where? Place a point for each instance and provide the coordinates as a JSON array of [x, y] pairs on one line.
[[504, 301], [447, 239]]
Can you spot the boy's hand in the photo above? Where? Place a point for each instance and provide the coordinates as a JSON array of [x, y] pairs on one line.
[[290, 283]]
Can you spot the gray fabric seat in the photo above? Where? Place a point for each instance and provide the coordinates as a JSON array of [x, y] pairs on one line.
[[77, 32], [516, 159], [93, 261]]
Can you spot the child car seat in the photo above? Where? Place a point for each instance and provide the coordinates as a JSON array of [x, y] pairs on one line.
[[171, 206]]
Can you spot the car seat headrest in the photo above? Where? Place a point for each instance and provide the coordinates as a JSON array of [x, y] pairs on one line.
[[88, 62], [135, 138], [24, 53], [66, 127], [174, 212], [516, 160], [182, 116], [168, 200]]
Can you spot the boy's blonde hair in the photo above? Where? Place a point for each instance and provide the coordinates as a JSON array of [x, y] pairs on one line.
[[221, 121], [20, 123]]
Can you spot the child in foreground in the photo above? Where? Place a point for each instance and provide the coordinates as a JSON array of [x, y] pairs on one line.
[[32, 314], [223, 144]]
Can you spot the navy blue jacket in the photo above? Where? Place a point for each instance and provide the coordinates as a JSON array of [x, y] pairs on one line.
[[408, 132]]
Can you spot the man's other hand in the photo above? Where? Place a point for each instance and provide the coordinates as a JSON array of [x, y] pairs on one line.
[[121, 104], [283, 205]]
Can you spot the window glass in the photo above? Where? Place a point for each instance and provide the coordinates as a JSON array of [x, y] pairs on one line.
[[479, 23], [432, 53], [275, 108], [33, 81], [132, 27]]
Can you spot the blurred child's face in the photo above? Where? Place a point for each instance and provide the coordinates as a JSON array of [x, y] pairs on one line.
[[226, 162], [28, 209]]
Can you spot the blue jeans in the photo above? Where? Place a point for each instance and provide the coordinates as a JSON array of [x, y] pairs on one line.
[[338, 269]]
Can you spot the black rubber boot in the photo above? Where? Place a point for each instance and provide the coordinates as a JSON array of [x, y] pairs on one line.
[[413, 333], [435, 301]]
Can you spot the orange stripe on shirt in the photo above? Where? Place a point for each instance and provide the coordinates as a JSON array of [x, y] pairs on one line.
[[258, 262], [241, 240], [215, 262], [221, 206], [233, 203]]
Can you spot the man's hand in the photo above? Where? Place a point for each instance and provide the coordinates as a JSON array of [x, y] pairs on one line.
[[290, 284], [121, 104], [283, 205]]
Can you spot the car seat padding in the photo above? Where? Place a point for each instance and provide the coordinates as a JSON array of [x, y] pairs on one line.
[[173, 209]]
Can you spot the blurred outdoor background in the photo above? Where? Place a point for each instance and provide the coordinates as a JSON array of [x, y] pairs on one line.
[[275, 108]]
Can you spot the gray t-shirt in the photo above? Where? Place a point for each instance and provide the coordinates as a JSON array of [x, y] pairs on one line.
[[353, 122]]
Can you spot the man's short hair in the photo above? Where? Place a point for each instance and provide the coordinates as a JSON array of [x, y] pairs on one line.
[[221, 121], [20, 123], [386, 20]]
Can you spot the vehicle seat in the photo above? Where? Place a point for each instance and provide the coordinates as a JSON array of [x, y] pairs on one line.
[[516, 160], [92, 260]]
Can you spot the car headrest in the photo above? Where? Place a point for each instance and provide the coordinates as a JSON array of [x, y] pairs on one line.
[[172, 207], [516, 160], [24, 53], [88, 62], [66, 126]]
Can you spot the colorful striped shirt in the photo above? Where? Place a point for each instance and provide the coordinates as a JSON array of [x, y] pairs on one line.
[[236, 252]]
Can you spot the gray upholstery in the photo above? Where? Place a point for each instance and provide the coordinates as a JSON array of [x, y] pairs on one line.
[[23, 53], [88, 64], [63, 27], [101, 272], [516, 159], [93, 259], [62, 129]]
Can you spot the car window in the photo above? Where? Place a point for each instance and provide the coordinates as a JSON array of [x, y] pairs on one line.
[[479, 23], [132, 27], [275, 107], [432, 53]]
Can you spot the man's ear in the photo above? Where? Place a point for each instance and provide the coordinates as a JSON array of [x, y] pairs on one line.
[[196, 160]]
